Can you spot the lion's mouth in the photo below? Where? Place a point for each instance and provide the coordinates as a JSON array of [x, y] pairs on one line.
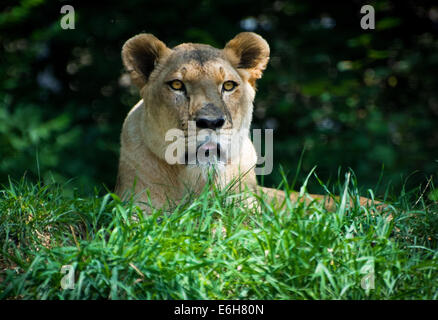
[[206, 153]]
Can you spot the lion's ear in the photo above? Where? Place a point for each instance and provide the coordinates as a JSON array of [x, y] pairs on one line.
[[140, 55], [250, 52]]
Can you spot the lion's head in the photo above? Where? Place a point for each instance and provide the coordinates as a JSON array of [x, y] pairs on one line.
[[213, 89]]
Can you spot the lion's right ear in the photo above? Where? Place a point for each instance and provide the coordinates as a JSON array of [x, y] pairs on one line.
[[141, 54]]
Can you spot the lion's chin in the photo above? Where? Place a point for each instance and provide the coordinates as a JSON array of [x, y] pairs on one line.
[[212, 171]]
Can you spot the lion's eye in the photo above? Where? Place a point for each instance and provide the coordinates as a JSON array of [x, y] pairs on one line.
[[176, 85], [229, 85]]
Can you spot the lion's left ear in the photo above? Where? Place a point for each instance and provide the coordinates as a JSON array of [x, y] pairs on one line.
[[250, 52]]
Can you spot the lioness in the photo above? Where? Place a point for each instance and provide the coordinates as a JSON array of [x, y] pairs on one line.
[[212, 88]]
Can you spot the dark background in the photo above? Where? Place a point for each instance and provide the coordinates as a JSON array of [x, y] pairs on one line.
[[353, 98]]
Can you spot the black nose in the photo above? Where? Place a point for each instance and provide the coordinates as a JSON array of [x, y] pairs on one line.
[[210, 117], [206, 123]]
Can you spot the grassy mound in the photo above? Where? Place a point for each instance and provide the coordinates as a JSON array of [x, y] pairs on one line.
[[213, 248]]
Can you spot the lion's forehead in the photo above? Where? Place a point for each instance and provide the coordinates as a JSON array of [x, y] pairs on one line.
[[195, 62], [199, 53]]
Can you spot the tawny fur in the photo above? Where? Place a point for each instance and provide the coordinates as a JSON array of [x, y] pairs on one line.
[[143, 168]]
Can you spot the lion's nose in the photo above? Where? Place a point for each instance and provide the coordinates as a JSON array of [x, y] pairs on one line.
[[207, 123], [210, 117]]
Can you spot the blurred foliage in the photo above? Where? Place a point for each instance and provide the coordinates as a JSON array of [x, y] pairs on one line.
[[364, 99]]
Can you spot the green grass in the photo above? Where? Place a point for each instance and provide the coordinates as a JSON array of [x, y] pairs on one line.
[[213, 248]]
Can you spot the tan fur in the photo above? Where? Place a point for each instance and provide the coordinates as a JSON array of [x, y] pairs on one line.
[[202, 69]]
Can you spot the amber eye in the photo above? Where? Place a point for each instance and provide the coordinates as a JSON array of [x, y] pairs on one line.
[[176, 85], [229, 85]]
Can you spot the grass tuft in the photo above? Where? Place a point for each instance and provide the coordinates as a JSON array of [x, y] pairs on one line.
[[211, 247]]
